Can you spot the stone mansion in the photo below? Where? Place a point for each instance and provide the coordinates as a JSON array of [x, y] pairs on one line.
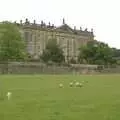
[[37, 35]]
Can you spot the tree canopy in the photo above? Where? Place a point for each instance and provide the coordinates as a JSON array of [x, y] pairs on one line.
[[12, 45], [96, 53], [53, 52]]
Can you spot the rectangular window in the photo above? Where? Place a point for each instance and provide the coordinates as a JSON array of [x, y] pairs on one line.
[[74, 47], [38, 47], [31, 37], [26, 35], [30, 49]]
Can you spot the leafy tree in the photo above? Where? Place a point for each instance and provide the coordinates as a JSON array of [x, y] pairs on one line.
[[12, 47], [116, 52], [72, 61], [116, 55], [53, 52], [96, 53]]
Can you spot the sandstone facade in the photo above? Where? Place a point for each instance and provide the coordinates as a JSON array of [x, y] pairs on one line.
[[37, 35]]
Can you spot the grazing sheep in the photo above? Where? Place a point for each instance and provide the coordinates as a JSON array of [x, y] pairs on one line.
[[77, 84], [80, 85], [71, 84], [9, 94], [61, 85]]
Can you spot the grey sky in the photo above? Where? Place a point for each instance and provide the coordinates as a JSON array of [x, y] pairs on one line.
[[101, 15]]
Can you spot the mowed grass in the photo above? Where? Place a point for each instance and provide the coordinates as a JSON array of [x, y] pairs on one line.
[[38, 97]]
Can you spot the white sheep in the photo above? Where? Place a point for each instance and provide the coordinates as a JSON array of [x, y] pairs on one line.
[[9, 94], [61, 85], [78, 84], [71, 84]]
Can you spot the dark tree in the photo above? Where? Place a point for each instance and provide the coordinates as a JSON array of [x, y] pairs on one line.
[[12, 47], [53, 52], [96, 53]]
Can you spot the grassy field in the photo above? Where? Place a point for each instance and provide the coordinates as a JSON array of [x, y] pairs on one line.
[[38, 97]]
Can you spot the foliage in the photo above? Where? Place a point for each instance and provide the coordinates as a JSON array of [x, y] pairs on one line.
[[52, 53], [73, 61], [116, 52], [12, 45], [96, 53]]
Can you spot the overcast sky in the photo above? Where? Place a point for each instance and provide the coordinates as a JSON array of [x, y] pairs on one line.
[[101, 15]]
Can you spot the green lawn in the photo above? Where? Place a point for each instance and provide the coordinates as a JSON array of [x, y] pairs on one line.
[[38, 97]]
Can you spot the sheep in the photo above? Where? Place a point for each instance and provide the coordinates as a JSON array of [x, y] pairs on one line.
[[71, 84], [9, 94], [78, 84], [61, 85]]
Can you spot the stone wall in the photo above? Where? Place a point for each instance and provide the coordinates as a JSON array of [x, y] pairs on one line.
[[37, 68], [40, 68]]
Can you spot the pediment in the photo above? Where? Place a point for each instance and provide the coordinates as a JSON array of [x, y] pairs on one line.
[[65, 28]]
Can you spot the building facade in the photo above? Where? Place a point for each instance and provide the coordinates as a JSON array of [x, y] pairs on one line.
[[37, 35]]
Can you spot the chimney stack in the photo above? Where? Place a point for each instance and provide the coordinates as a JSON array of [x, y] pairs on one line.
[[26, 20], [86, 30], [74, 27], [42, 22], [34, 21], [53, 25], [63, 21], [92, 30], [20, 22], [80, 28], [49, 24]]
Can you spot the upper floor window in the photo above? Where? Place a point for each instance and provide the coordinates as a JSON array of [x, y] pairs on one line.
[[26, 34]]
